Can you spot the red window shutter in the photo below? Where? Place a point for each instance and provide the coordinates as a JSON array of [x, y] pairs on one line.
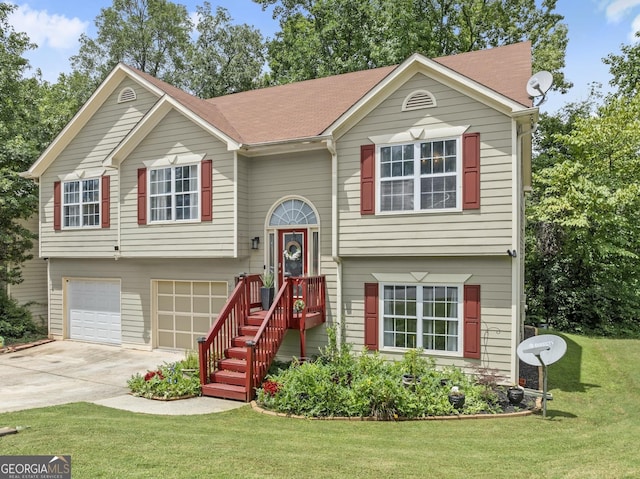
[[472, 321], [471, 171], [371, 316], [106, 198], [57, 206], [206, 193], [142, 196], [367, 179]]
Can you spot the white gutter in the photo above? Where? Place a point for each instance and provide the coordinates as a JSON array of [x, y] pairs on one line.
[[334, 236], [306, 139]]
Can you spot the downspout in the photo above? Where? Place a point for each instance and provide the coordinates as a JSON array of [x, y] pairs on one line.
[[49, 288], [119, 238], [334, 237], [235, 204], [519, 245]]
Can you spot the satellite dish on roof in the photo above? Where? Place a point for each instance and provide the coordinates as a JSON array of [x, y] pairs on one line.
[[539, 84]]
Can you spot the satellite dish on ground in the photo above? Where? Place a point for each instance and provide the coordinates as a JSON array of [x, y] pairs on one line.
[[541, 351], [548, 347], [539, 84]]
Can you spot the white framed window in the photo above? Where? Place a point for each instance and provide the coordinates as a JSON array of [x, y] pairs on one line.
[[420, 176], [422, 316], [174, 193], [81, 203]]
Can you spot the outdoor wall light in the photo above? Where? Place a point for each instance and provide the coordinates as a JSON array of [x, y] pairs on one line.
[[255, 242]]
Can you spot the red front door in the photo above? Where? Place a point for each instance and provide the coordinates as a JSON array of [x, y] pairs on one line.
[[292, 256]]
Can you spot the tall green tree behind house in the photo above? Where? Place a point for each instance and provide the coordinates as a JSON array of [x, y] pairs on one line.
[[150, 35], [325, 37], [19, 146], [583, 260], [225, 58], [625, 68]]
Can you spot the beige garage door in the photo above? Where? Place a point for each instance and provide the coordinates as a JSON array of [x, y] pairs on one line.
[[185, 310]]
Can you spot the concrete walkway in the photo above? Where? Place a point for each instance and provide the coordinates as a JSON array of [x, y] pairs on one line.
[[62, 372]]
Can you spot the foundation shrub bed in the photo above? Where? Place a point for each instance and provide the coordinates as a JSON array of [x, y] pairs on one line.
[[343, 384], [168, 381]]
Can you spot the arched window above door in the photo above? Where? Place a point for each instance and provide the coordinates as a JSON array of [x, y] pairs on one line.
[[293, 212]]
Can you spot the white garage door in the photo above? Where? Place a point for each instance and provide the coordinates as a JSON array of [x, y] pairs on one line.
[[94, 310]]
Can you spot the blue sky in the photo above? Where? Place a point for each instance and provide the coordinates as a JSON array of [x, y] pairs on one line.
[[596, 29]]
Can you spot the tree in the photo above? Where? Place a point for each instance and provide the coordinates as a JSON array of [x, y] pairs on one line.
[[324, 37], [150, 35], [225, 58], [625, 68], [584, 259], [19, 146]]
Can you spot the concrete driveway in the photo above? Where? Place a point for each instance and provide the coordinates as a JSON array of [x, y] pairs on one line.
[[62, 372]]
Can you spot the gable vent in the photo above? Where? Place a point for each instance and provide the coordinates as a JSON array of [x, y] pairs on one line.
[[127, 94], [418, 100]]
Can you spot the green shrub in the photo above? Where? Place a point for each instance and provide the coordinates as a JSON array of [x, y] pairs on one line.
[[16, 322]]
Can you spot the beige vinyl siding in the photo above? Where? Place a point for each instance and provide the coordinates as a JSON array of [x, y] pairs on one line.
[[492, 274], [177, 135], [484, 231], [33, 289], [136, 277], [103, 132], [273, 179]]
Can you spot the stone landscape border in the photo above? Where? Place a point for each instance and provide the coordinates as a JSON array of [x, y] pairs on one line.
[[528, 412]]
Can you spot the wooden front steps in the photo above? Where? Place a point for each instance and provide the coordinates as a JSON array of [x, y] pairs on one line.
[[232, 369], [229, 381]]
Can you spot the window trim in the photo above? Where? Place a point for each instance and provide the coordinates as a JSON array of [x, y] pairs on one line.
[[417, 176], [64, 204], [197, 190], [419, 319]]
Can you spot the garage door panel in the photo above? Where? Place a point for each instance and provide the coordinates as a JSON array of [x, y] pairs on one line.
[[184, 341]]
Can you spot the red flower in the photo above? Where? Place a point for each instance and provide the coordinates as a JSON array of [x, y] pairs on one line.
[[151, 374], [270, 387]]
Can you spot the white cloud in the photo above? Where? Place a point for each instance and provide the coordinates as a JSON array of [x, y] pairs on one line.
[[635, 26], [617, 9], [47, 30]]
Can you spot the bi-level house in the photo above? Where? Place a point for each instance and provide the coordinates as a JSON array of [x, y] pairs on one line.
[[390, 200]]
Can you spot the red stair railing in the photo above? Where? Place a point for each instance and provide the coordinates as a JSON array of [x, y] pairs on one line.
[[211, 348], [265, 344], [262, 349]]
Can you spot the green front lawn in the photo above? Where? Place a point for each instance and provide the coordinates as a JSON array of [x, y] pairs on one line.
[[592, 431]]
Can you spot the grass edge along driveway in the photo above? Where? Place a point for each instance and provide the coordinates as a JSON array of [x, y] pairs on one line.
[[592, 431]]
